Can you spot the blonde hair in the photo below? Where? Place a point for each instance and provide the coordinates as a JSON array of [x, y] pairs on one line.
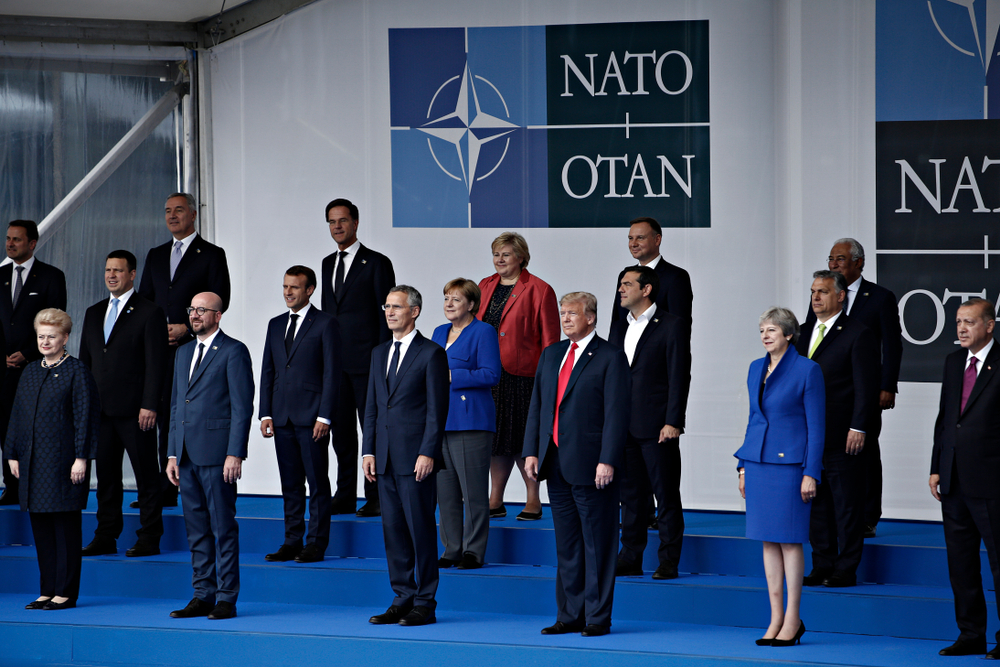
[[517, 244], [467, 289], [53, 317], [588, 300]]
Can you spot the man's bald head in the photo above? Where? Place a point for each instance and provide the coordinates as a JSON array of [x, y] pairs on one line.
[[205, 313]]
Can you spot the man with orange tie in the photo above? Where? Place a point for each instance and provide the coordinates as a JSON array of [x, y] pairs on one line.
[[575, 438]]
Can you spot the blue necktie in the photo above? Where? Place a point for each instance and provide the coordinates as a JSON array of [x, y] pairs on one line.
[[109, 323], [175, 258]]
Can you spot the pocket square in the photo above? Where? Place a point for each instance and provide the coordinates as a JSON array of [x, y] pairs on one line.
[[32, 293]]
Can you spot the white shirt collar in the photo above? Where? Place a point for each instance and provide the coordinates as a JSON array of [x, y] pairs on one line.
[[645, 316], [981, 355]]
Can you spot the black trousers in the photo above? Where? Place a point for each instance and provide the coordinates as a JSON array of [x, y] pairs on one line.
[[836, 522], [585, 520], [967, 523], [302, 459], [350, 410], [167, 489], [58, 543], [8, 388], [651, 469], [873, 473], [117, 436]]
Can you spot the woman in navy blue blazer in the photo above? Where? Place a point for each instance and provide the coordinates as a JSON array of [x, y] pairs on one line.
[[474, 367], [780, 463]]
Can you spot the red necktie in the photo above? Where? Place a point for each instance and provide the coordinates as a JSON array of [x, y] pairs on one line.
[[968, 381], [564, 373]]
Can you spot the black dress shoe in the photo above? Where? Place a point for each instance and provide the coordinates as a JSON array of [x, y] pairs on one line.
[[285, 552], [52, 605], [196, 607], [391, 616], [445, 563], [498, 512], [561, 628], [525, 515], [797, 639], [994, 654], [309, 554], [8, 497], [840, 579], [222, 611], [344, 507], [624, 569], [369, 509], [134, 504], [816, 577], [100, 546], [37, 604], [966, 647], [869, 532], [667, 571], [419, 615], [469, 562], [595, 631], [143, 549]]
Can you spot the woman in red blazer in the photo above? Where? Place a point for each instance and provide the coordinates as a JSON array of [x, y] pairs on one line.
[[525, 313]]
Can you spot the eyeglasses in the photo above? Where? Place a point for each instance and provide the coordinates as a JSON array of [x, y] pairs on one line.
[[394, 307], [201, 311]]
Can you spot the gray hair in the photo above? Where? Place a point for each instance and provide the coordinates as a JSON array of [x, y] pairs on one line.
[[190, 199], [857, 252], [783, 318], [839, 281], [588, 300], [413, 298]]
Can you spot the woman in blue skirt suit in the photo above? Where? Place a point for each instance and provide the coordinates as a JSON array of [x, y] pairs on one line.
[[780, 463]]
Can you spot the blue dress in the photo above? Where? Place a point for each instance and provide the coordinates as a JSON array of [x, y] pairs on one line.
[[783, 442]]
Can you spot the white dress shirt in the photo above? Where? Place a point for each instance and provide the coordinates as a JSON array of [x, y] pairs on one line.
[[852, 295], [405, 340], [28, 263], [981, 356], [208, 345], [348, 259], [122, 300], [635, 328], [582, 345]]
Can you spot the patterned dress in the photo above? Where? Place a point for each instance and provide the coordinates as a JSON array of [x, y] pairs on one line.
[[54, 421], [512, 394]]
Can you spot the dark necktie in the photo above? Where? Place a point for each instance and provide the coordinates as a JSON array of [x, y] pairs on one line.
[[338, 280], [968, 381], [290, 334], [390, 378], [18, 286], [201, 352], [564, 373]]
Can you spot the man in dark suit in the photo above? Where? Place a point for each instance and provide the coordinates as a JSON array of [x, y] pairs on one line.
[[657, 345], [575, 438], [965, 467], [30, 285], [210, 412], [674, 296], [173, 273], [847, 353], [405, 415], [299, 379], [124, 343], [356, 280], [876, 308]]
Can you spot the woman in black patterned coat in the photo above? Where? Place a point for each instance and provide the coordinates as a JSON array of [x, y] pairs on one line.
[[51, 439]]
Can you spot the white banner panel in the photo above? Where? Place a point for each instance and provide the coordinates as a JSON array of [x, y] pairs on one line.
[[301, 115]]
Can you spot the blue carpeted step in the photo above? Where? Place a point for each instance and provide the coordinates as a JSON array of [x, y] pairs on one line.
[[138, 632]]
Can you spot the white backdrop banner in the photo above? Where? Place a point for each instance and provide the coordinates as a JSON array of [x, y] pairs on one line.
[[303, 110]]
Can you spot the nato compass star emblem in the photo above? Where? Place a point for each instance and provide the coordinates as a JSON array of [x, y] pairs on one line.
[[466, 126]]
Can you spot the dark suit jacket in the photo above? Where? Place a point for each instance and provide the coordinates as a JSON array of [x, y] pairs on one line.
[[674, 296], [876, 308], [44, 287], [409, 422], [661, 373], [358, 308], [789, 427], [848, 357], [210, 414], [301, 386], [202, 269], [129, 368], [529, 322], [970, 439], [593, 415]]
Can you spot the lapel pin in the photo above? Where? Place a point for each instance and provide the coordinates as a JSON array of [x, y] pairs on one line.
[[865, 294], [128, 310], [839, 328], [656, 319], [364, 261], [215, 347], [197, 250], [590, 354]]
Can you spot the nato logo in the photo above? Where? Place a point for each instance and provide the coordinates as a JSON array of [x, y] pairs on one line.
[[550, 126]]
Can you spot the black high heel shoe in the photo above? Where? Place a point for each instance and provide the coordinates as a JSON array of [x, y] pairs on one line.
[[764, 641], [797, 639]]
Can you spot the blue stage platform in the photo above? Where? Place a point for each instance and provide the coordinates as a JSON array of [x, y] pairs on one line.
[[317, 613]]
